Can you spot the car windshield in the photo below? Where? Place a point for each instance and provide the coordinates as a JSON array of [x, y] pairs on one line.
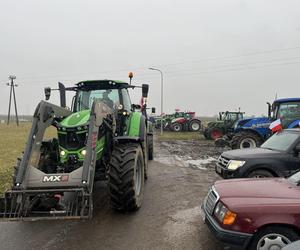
[[85, 98], [281, 140], [295, 178]]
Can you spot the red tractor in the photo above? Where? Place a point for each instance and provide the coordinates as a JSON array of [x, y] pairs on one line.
[[185, 121]]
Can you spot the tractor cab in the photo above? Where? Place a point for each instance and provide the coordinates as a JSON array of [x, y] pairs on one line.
[[230, 116], [288, 111]]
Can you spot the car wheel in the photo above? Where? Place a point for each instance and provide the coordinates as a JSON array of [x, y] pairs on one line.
[[260, 174], [274, 237]]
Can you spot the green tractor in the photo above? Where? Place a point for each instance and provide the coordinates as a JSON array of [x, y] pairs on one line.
[[223, 125], [103, 137]]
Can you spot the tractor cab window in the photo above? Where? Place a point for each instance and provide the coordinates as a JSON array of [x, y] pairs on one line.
[[231, 117], [85, 99], [126, 100], [288, 112]]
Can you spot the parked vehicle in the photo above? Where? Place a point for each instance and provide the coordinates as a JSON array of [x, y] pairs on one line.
[[179, 121], [223, 125], [278, 156], [254, 214], [252, 132], [103, 137]]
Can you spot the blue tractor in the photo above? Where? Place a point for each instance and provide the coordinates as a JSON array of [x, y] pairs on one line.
[[252, 132]]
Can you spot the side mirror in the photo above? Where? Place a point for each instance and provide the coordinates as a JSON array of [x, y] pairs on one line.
[[47, 91], [145, 90], [269, 109], [153, 110]]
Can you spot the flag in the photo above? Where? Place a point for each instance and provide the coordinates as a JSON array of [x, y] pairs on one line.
[[276, 126]]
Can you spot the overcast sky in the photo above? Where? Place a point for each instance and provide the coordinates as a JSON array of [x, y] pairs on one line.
[[215, 55]]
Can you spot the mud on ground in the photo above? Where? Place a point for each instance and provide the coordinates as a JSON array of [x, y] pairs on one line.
[[195, 154]]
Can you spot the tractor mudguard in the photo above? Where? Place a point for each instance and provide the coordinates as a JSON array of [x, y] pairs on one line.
[[136, 127], [34, 189]]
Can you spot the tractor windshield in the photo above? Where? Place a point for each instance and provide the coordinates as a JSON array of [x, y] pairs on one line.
[[85, 99], [288, 112]]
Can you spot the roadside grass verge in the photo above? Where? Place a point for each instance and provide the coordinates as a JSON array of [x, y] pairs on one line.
[[12, 143]]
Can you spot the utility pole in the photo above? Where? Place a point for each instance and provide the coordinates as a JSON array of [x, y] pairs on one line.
[[12, 92], [161, 97]]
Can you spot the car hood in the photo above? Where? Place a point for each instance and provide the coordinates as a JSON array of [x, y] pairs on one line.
[[250, 153], [247, 192]]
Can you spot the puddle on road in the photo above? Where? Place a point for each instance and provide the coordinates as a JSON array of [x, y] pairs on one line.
[[198, 155], [198, 164]]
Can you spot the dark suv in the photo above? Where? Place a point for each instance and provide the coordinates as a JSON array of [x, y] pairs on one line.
[[278, 156]]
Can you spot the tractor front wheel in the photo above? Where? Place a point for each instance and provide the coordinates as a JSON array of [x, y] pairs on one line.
[[245, 140], [177, 127], [126, 177], [215, 133]]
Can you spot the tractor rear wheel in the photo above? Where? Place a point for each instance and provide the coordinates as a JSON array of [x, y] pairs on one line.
[[126, 177], [215, 133], [177, 127], [150, 147], [245, 140], [195, 125]]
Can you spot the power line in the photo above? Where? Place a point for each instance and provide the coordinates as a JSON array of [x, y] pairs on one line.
[[162, 65]]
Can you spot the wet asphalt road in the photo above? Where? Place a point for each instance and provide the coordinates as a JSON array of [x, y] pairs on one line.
[[169, 218]]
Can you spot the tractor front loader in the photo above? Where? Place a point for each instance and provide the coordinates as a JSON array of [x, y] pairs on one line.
[[104, 137]]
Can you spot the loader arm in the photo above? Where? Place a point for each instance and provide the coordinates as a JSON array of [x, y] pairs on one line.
[[70, 193]]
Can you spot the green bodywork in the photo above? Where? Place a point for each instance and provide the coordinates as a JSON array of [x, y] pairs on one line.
[[78, 121]]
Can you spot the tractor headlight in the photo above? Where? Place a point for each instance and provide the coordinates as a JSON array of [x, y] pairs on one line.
[[234, 164], [62, 153], [224, 215], [83, 152]]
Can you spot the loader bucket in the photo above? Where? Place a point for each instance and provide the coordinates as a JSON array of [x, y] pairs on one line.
[[53, 204]]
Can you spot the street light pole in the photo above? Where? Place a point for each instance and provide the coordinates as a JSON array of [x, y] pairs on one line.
[[161, 96]]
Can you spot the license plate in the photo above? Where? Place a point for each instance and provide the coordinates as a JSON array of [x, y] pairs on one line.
[[218, 169]]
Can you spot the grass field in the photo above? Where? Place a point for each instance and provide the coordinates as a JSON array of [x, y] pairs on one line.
[[12, 143]]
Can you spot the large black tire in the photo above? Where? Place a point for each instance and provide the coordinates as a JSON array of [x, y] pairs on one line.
[[260, 173], [194, 125], [176, 127], [126, 177], [150, 147], [273, 236], [245, 140]]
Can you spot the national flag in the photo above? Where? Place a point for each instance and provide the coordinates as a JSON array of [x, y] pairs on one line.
[[276, 126]]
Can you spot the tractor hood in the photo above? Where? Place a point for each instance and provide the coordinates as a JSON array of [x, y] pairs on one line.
[[259, 122], [76, 119], [214, 124]]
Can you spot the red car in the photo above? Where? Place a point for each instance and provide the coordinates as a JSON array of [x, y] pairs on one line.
[[254, 213]]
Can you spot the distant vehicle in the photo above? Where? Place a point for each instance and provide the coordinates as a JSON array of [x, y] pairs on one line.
[[278, 156], [254, 214], [179, 121], [223, 125], [252, 132]]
